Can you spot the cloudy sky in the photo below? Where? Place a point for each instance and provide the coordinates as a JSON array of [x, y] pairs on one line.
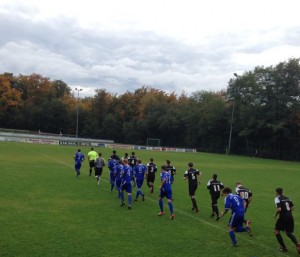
[[173, 45]]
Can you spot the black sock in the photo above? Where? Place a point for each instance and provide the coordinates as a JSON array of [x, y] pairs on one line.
[[194, 203], [217, 211], [280, 240], [293, 238]]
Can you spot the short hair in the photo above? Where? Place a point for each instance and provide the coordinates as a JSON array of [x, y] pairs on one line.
[[78, 150], [227, 190], [190, 164], [151, 159], [100, 154], [168, 162], [215, 176], [139, 161], [163, 167], [279, 190], [133, 153], [238, 183], [125, 161], [92, 148], [114, 151]]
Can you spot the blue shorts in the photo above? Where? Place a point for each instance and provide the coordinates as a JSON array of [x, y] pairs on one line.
[[112, 177], [139, 182], [127, 187], [77, 166], [236, 220], [118, 183], [165, 193]]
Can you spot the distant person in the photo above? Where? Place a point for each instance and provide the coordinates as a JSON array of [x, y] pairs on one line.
[[79, 158], [215, 186], [191, 175], [285, 222], [114, 155], [245, 194], [126, 184], [125, 157], [165, 191], [171, 169], [99, 164], [236, 205], [112, 166], [132, 160], [152, 169], [92, 156], [139, 172], [118, 177]]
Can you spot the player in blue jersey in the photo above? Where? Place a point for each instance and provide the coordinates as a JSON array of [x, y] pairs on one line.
[[139, 172], [119, 173], [112, 165], [237, 206], [79, 158], [126, 185], [165, 191]]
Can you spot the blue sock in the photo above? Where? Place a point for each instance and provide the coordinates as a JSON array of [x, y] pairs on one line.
[[129, 199], [161, 205], [170, 207], [232, 236], [122, 196]]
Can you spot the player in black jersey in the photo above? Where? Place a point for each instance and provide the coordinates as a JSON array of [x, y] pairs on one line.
[[215, 186], [152, 168], [171, 169], [285, 222], [191, 174], [245, 194]]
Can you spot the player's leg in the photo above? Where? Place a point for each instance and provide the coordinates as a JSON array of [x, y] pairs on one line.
[[129, 196], [160, 203], [170, 204], [278, 227], [289, 232], [232, 226]]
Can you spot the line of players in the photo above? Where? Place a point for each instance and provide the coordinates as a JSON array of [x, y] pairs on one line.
[[129, 171]]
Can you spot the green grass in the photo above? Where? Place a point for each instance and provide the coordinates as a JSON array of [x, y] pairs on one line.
[[46, 211]]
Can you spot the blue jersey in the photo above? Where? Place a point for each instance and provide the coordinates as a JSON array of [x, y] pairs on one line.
[[119, 172], [139, 171], [127, 174], [166, 176], [235, 203], [78, 157], [112, 165]]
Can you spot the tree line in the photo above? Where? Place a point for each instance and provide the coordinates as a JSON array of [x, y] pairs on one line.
[[258, 114]]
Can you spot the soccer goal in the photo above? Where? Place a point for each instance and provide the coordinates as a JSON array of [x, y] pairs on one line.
[[153, 142]]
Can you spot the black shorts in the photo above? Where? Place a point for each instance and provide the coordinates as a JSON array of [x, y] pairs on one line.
[[192, 189], [214, 198], [98, 171], [92, 163], [285, 223], [150, 178]]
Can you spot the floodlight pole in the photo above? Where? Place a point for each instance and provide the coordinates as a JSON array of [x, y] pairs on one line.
[[78, 90], [231, 122]]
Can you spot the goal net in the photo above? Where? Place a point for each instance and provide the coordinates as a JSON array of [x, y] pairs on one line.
[[153, 142]]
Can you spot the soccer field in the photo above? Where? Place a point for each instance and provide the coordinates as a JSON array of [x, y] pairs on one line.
[[46, 211]]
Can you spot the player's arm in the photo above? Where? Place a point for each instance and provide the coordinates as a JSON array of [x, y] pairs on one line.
[[224, 212], [200, 177], [278, 210]]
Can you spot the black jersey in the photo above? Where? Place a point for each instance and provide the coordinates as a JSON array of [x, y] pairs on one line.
[[214, 186], [132, 161], [285, 204], [192, 174], [151, 167], [243, 192], [171, 169]]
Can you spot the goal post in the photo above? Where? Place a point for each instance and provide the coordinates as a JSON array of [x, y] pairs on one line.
[[153, 142]]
